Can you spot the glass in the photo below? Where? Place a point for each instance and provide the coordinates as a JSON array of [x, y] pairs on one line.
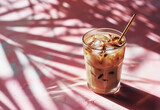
[[103, 65]]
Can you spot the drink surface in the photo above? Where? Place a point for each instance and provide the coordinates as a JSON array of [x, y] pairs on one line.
[[104, 54], [103, 41]]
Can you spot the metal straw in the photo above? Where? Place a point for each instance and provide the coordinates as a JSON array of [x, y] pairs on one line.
[[127, 27]]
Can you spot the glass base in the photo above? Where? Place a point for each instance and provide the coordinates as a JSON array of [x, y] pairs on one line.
[[110, 91]]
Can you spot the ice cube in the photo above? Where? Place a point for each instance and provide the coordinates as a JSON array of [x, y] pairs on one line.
[[107, 36], [100, 36], [90, 40], [97, 43], [109, 47], [99, 48]]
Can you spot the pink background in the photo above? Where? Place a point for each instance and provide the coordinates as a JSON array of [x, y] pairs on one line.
[[41, 57]]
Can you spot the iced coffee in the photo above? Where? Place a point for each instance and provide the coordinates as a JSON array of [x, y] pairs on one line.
[[103, 53]]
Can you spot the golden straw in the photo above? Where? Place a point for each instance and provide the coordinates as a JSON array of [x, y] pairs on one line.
[[127, 27]]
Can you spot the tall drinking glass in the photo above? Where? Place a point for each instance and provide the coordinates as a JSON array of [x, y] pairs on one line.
[[104, 54]]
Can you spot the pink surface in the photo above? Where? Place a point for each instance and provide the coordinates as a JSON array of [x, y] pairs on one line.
[[41, 58]]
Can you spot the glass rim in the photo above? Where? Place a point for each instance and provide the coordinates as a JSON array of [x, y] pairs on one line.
[[122, 45]]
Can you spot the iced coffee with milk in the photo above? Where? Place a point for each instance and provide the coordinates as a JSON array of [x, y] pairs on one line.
[[103, 53]]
